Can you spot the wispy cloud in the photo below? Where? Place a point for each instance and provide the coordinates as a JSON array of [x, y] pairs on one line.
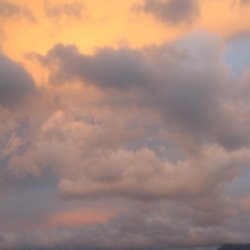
[[11, 10], [76, 10], [171, 12]]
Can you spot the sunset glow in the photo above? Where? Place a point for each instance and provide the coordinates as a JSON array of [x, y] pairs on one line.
[[124, 124]]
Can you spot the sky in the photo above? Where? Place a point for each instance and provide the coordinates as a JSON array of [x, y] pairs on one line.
[[124, 124]]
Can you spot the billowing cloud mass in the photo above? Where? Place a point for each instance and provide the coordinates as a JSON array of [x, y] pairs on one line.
[[171, 11], [189, 93], [15, 83], [124, 145]]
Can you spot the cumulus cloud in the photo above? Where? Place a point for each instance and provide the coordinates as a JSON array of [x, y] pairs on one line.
[[15, 83], [172, 12], [188, 87], [161, 131], [141, 175]]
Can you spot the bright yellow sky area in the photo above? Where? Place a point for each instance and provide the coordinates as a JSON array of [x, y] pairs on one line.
[[112, 23]]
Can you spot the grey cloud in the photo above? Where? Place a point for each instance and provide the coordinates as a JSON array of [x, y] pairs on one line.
[[110, 68], [171, 11], [15, 83], [11, 10], [190, 93], [75, 10]]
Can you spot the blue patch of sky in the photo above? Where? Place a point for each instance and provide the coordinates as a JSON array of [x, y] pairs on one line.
[[240, 186], [237, 55]]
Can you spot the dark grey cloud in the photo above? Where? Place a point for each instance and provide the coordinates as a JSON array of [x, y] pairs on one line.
[[11, 10], [15, 83], [76, 10], [119, 69], [171, 11]]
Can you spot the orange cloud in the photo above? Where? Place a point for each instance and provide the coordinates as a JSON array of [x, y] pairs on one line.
[[79, 217]]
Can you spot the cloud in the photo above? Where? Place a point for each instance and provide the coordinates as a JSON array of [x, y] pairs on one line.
[[142, 176], [151, 227], [72, 10], [172, 12], [160, 131], [185, 200], [11, 10], [15, 83], [190, 94], [109, 67]]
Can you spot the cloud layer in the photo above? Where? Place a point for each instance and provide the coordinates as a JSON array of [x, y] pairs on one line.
[[123, 146]]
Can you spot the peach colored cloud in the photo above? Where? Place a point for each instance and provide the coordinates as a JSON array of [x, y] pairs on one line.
[[79, 217]]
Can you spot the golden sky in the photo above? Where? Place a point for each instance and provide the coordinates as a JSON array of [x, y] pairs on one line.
[[114, 23]]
